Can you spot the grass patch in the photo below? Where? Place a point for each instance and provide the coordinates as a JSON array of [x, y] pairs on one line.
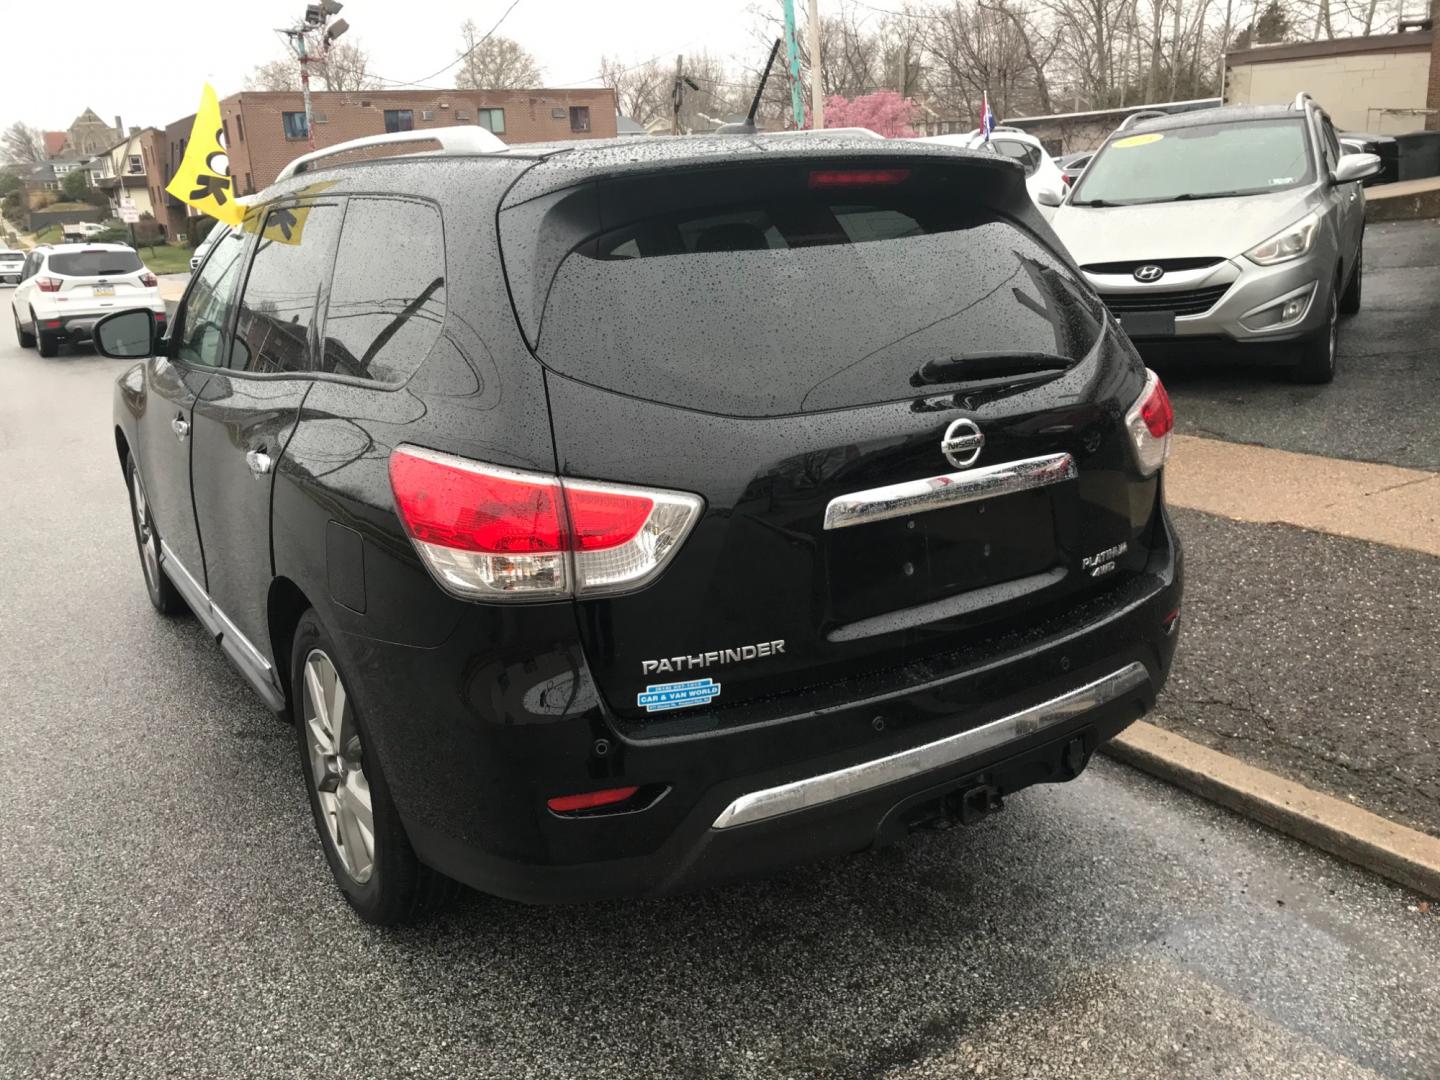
[[48, 235], [164, 259]]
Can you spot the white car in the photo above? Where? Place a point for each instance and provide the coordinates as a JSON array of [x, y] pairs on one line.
[[1043, 178], [10, 264], [203, 248], [65, 288]]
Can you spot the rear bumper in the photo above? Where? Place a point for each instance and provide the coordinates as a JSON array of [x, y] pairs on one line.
[[738, 803], [80, 326]]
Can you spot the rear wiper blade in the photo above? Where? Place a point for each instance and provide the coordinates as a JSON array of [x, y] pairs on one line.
[[988, 366]]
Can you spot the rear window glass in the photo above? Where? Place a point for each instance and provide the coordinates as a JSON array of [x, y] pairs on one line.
[[94, 263], [803, 300]]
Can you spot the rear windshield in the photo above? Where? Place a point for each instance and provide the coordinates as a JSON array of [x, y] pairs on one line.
[[1207, 161], [12, 256], [94, 263], [803, 296]]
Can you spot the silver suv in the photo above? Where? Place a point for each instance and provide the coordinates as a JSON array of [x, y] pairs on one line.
[[1239, 225]]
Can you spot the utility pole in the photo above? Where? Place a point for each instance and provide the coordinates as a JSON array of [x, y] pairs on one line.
[[677, 93], [817, 85], [316, 21]]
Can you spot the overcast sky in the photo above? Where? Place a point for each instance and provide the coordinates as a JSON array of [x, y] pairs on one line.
[[123, 59]]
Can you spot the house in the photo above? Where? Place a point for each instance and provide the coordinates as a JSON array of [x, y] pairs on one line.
[[1385, 83], [265, 130], [132, 169], [88, 135]]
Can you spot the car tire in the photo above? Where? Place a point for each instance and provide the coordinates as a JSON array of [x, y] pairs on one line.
[[48, 344], [1350, 300], [23, 336], [162, 591], [1317, 352], [373, 864]]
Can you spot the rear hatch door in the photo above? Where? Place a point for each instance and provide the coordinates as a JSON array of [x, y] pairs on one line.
[[99, 277], [781, 336]]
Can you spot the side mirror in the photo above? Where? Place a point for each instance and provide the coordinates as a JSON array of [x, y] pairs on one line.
[[126, 335], [1049, 197], [1354, 167]]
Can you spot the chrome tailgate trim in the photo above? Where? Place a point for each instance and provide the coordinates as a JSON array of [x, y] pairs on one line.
[[951, 489]]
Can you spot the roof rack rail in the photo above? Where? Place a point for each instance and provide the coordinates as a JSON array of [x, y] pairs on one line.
[[1301, 98], [452, 140], [1144, 114]]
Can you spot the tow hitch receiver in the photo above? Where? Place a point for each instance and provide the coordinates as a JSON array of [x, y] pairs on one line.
[[970, 806]]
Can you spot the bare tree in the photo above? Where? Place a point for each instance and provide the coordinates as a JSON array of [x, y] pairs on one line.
[[494, 63], [344, 66], [642, 91], [22, 143]]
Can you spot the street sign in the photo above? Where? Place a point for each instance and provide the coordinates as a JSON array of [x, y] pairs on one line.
[[129, 215]]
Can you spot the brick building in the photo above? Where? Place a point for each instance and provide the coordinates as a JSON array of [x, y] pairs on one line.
[[265, 130]]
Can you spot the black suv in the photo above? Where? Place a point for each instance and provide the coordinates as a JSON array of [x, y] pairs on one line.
[[622, 517]]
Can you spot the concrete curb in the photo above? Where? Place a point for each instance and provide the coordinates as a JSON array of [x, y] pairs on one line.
[[1393, 851]]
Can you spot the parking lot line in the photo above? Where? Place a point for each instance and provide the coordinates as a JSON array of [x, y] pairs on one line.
[[1382, 503]]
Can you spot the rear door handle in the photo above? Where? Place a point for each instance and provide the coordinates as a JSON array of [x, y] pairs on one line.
[[259, 462], [181, 427]]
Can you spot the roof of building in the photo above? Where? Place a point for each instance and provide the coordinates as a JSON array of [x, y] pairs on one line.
[[54, 142], [625, 125]]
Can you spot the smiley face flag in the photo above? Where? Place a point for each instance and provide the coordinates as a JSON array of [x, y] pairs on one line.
[[203, 179]]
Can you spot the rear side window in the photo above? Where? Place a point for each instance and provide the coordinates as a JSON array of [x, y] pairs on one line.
[[788, 291], [286, 286], [1028, 156], [387, 300], [98, 263]]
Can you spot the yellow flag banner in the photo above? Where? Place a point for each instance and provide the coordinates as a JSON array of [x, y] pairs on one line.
[[285, 225], [203, 179]]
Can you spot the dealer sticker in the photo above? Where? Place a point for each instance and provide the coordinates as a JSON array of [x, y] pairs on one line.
[[678, 695]]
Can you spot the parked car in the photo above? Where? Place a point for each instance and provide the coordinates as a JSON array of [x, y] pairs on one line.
[[65, 288], [1042, 176], [80, 230], [1242, 225], [1385, 147], [11, 264], [570, 595], [203, 248], [1072, 165]]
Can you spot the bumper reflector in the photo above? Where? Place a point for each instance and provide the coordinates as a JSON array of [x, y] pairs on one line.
[[590, 800]]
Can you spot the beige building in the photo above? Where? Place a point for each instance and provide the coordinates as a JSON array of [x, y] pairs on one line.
[[1375, 83]]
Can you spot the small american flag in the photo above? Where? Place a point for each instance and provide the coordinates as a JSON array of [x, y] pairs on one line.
[[987, 118]]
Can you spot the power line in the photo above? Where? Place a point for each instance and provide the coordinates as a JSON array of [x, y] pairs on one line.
[[458, 59]]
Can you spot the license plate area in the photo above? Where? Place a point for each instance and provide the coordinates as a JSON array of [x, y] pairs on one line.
[[889, 565], [102, 290], [1148, 324]]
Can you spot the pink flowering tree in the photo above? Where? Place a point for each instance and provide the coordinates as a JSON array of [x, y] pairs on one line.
[[884, 112]]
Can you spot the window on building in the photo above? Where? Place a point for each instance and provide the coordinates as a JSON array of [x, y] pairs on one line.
[[387, 300], [284, 290], [399, 120], [225, 130], [491, 120], [579, 118], [134, 164], [240, 128], [295, 127]]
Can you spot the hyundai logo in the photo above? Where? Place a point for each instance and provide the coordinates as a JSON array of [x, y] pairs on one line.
[[961, 443], [1149, 272]]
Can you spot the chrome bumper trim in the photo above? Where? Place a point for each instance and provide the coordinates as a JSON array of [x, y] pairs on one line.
[[952, 489], [857, 779]]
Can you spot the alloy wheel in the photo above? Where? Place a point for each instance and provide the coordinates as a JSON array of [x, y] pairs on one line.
[[337, 767], [145, 534]]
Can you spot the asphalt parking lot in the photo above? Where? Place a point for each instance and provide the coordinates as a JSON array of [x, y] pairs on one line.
[[165, 910]]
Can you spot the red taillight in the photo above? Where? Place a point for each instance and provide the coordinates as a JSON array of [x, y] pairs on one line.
[[833, 178], [1065, 178], [48, 284], [565, 804], [1150, 421], [495, 533], [496, 512], [604, 519], [148, 280], [1157, 412]]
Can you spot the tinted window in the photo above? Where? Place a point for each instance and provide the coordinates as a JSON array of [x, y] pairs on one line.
[[1028, 156], [200, 328], [387, 300], [95, 263], [1201, 161], [797, 299], [285, 289]]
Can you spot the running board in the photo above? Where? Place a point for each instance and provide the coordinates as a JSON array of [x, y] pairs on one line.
[[248, 660]]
